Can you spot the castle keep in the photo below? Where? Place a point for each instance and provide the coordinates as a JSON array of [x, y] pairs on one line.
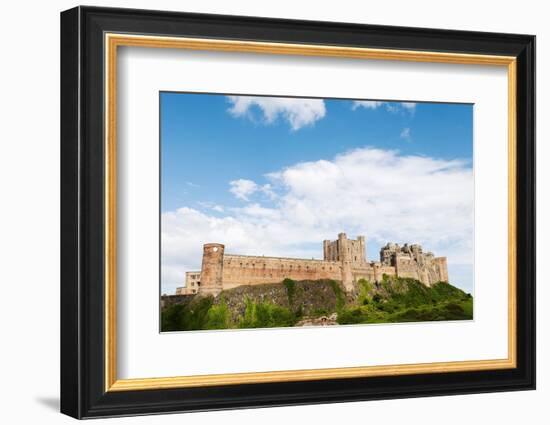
[[343, 260]]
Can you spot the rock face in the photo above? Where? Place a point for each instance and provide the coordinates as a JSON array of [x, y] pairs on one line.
[[344, 260], [168, 300], [312, 298]]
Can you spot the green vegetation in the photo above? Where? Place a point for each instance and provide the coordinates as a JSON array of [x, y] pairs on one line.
[[391, 301], [266, 315], [407, 300], [365, 292], [187, 317], [339, 294], [290, 286], [218, 317]]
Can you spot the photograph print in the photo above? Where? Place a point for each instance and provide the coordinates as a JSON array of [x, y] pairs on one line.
[[293, 211]]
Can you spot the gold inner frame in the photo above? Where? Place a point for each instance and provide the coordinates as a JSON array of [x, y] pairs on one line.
[[113, 41]]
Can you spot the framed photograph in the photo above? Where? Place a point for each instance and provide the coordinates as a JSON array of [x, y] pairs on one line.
[[261, 212]]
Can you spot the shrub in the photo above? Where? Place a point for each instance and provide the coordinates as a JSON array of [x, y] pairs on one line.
[[365, 288], [186, 317], [339, 294], [351, 316], [290, 289], [170, 318], [218, 317], [266, 315], [319, 312]]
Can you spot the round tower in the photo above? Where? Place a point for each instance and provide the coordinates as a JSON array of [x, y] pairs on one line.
[[212, 269]]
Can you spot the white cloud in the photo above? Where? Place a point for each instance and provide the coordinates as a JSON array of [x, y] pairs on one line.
[[298, 112], [243, 188], [367, 104], [267, 190], [405, 133], [393, 107], [410, 106], [381, 194], [211, 206]]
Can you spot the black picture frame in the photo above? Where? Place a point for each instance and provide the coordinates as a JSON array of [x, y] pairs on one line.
[[83, 392]]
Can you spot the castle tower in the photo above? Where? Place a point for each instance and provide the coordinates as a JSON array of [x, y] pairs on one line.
[[212, 269], [344, 252], [326, 250], [442, 268], [362, 248]]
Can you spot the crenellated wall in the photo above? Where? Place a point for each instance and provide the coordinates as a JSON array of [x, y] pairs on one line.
[[254, 270], [344, 260]]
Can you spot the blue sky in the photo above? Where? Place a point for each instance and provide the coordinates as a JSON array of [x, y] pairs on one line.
[[264, 167]]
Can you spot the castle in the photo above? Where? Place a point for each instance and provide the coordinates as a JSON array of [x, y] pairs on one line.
[[343, 260]]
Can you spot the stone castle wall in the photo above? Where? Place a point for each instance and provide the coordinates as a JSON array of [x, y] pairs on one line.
[[254, 270], [344, 260]]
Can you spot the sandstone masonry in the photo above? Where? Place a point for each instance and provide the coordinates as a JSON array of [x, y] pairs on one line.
[[343, 260]]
